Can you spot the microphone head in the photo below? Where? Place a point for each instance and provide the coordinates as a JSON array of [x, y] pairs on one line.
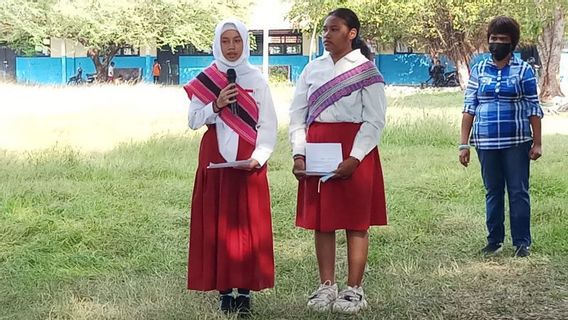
[[231, 75]]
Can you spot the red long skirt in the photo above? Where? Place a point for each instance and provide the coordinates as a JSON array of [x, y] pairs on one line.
[[352, 204], [230, 242]]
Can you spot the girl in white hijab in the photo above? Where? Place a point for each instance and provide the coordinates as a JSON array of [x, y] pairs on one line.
[[230, 244]]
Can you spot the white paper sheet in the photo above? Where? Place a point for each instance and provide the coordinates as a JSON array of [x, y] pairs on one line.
[[322, 158], [230, 164]]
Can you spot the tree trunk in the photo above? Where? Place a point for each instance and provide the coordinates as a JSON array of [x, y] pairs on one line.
[[461, 59], [101, 65], [549, 48], [463, 73]]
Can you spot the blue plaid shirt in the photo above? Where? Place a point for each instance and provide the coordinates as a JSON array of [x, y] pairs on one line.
[[501, 102]]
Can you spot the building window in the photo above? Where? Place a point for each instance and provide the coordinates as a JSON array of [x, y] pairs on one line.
[[128, 50], [257, 43], [280, 42]]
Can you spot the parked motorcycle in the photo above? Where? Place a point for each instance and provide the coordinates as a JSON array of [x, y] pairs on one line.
[[78, 78], [447, 79]]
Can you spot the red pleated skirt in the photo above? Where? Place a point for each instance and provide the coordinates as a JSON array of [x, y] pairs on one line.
[[352, 204], [230, 241]]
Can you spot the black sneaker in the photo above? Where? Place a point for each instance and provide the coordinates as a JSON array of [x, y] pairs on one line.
[[492, 249], [522, 251], [243, 305], [226, 303]]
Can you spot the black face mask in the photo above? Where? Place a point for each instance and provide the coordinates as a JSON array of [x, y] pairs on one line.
[[500, 50]]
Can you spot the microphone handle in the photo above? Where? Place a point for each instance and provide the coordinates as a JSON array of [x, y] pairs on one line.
[[233, 105]]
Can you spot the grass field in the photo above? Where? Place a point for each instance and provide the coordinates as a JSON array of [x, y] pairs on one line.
[[96, 227]]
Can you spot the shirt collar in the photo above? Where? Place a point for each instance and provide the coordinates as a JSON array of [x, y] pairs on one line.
[[352, 56]]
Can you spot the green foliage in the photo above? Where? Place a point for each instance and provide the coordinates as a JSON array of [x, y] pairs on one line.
[[279, 74], [309, 14], [98, 24], [534, 15], [24, 24]]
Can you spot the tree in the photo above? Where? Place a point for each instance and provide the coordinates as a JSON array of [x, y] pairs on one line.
[[24, 24], [308, 15], [103, 27], [451, 27], [454, 28], [544, 23]]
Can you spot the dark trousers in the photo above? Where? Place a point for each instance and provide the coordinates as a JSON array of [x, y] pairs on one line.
[[507, 168]]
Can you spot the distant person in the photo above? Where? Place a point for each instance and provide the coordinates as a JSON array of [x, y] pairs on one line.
[[156, 70], [501, 105], [437, 73], [80, 74], [110, 75], [77, 78]]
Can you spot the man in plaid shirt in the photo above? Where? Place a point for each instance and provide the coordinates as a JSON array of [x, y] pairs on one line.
[[502, 106]]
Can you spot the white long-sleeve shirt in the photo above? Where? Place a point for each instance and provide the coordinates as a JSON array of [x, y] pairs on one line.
[[202, 114], [366, 106]]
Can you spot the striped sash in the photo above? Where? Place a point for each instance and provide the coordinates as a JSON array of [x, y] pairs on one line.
[[341, 86], [207, 86]]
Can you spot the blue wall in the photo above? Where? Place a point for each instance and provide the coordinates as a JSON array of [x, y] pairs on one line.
[[408, 69], [398, 69], [47, 70], [412, 69], [190, 66], [44, 70]]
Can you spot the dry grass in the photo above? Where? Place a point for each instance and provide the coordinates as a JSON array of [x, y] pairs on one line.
[[98, 118]]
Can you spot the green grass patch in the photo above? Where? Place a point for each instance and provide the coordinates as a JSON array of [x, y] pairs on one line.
[[104, 235]]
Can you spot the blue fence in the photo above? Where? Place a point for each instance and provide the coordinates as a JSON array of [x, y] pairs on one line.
[[397, 69], [41, 70], [190, 66], [403, 69], [47, 70]]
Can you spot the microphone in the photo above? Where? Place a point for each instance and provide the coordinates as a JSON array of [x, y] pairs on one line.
[[232, 77]]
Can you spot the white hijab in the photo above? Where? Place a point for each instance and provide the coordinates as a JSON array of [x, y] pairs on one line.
[[247, 76], [241, 65]]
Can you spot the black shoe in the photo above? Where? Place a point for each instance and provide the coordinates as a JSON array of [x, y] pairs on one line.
[[243, 305], [492, 249], [522, 251], [226, 303]]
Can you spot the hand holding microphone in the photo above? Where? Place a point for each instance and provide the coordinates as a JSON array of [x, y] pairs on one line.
[[232, 78], [227, 95]]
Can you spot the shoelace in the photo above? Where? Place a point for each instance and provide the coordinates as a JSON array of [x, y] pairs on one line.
[[350, 295], [325, 289]]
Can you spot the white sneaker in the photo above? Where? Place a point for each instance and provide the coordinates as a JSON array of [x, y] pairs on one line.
[[322, 299], [350, 301]]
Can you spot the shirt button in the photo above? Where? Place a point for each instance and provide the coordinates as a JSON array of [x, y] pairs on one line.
[[498, 78], [497, 90]]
